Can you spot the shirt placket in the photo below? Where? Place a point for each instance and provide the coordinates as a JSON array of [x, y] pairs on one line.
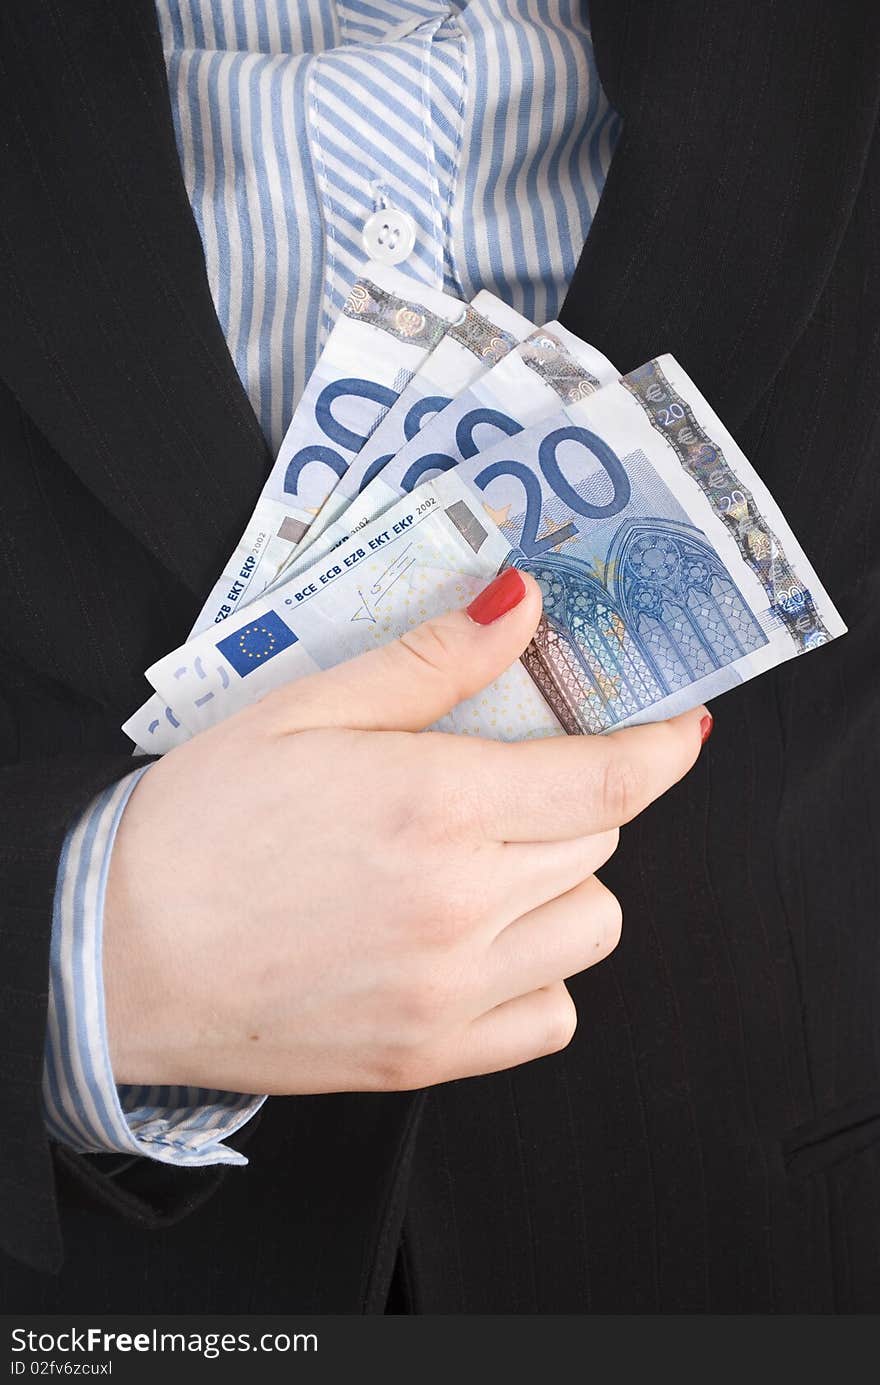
[[371, 123]]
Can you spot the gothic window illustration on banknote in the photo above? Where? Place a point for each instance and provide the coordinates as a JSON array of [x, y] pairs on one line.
[[667, 614]]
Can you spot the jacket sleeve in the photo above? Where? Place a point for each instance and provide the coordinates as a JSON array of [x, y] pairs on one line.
[[84, 609], [39, 800]]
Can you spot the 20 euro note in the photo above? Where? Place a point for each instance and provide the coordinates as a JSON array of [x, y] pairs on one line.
[[434, 553], [488, 330], [668, 571], [550, 368], [387, 327], [669, 574]]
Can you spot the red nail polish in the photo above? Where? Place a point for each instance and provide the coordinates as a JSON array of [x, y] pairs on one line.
[[501, 595], [706, 727]]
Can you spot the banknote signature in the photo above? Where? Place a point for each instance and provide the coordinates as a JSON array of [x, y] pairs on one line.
[[371, 597]]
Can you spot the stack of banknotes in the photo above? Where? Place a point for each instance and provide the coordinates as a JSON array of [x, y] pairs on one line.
[[438, 442]]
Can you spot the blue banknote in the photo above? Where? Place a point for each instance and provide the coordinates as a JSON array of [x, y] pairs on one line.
[[534, 379], [488, 330], [387, 327], [668, 572]]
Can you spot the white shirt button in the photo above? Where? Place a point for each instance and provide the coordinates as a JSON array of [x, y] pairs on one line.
[[389, 236]]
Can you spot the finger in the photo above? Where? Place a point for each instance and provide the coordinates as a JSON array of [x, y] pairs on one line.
[[557, 940], [574, 786], [531, 873], [411, 682], [531, 1026]]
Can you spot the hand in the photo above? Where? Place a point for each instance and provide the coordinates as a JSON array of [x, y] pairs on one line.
[[311, 898]]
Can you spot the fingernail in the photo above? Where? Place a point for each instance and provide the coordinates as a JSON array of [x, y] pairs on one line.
[[706, 727], [501, 595]]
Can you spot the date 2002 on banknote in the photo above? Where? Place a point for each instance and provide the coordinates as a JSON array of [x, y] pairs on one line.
[[669, 573]]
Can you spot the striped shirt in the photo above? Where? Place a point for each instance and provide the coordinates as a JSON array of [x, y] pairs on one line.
[[296, 119], [484, 122]]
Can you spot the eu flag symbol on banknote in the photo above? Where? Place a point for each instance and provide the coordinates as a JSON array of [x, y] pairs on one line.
[[256, 644], [668, 572]]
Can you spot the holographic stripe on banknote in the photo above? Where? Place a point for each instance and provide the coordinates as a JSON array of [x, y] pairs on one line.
[[791, 602], [402, 318]]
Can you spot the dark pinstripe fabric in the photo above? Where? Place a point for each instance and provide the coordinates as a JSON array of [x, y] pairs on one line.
[[711, 1140]]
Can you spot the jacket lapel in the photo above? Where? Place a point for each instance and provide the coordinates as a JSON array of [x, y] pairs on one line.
[[745, 132], [700, 246], [109, 337]]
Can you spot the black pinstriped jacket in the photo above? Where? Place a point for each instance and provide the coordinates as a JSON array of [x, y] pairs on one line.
[[711, 1139]]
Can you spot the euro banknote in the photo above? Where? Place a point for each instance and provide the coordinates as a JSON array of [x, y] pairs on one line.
[[669, 574], [483, 337], [550, 368], [529, 381], [387, 327], [435, 553]]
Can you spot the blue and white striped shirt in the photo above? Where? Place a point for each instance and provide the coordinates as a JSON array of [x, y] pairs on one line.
[[483, 121]]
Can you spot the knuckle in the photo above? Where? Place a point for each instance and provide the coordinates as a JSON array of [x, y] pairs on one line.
[[390, 1072], [606, 845], [560, 1026], [619, 790], [606, 922], [613, 921], [432, 646], [405, 1069]]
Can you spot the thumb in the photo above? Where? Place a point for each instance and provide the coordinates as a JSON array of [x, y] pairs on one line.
[[411, 682]]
